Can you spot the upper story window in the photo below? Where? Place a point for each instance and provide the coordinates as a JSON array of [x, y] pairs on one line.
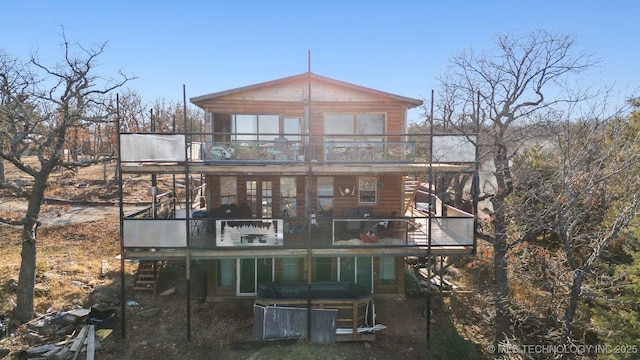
[[264, 127], [354, 127], [255, 127]]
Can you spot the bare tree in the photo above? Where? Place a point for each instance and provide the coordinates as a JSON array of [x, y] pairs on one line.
[[41, 106], [506, 91], [579, 194]]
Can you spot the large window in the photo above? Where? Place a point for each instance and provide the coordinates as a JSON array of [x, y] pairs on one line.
[[356, 126], [247, 127], [356, 270], [264, 127], [252, 273]]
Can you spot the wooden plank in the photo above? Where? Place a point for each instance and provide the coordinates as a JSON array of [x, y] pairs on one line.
[[77, 343], [62, 354], [91, 345], [79, 313]]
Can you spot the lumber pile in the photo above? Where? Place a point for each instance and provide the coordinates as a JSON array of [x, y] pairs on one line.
[[68, 334]]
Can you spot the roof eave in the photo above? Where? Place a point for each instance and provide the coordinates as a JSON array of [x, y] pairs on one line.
[[410, 101]]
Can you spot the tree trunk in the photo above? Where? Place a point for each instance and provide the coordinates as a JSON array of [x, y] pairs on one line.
[[501, 280], [500, 246], [572, 307], [27, 276], [2, 176]]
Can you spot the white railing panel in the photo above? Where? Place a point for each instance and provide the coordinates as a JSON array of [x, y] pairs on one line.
[[155, 233], [454, 148], [152, 147]]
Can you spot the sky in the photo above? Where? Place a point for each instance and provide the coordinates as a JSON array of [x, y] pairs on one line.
[[399, 46]]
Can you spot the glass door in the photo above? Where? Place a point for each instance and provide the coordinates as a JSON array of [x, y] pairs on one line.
[[259, 195], [252, 273]]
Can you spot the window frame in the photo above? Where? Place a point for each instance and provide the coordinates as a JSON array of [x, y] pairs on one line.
[[356, 134], [366, 185]]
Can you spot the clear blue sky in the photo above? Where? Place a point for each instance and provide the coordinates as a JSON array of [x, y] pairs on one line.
[[396, 46]]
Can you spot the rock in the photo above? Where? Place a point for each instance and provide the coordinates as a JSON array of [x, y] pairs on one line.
[[149, 313], [106, 296], [168, 291]]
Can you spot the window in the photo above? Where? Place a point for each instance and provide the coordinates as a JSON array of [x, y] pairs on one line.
[[291, 129], [228, 190], [224, 273], [251, 188], [367, 190], [288, 199], [267, 199], [387, 270], [323, 267], [252, 273], [259, 195], [247, 127], [264, 127], [325, 196], [347, 269], [358, 125], [290, 272], [356, 270]]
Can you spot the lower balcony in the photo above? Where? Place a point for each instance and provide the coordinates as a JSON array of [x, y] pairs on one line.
[[281, 236]]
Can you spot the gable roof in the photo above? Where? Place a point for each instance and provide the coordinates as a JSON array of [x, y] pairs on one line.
[[303, 77]]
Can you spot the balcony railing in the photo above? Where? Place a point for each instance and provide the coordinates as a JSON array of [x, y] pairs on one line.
[[278, 150], [140, 147], [295, 233], [352, 151], [287, 151]]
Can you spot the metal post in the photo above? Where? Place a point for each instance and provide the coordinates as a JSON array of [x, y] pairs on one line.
[[429, 228], [188, 206], [120, 196], [308, 207]]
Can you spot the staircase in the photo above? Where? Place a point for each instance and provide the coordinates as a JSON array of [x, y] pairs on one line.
[[411, 186], [147, 275]]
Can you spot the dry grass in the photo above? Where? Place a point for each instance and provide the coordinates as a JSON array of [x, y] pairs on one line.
[[68, 265]]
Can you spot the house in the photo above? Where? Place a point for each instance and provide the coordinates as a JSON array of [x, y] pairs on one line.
[[306, 180]]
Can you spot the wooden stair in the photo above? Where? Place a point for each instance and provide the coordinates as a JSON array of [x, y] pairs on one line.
[[411, 187], [147, 275]]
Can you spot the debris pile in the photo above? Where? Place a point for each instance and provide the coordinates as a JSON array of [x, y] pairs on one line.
[[67, 334]]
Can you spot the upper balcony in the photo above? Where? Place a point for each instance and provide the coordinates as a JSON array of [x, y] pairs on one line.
[[372, 150], [283, 150]]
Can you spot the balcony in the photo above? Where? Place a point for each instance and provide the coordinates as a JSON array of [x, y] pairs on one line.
[[328, 233], [267, 148], [288, 151]]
